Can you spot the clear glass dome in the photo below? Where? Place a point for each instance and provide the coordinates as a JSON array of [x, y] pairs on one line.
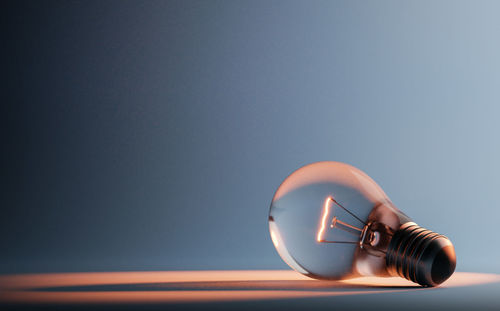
[[321, 220]]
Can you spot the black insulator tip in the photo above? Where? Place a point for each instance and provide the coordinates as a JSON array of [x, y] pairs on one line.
[[440, 260]]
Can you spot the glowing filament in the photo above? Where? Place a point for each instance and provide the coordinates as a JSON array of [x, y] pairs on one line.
[[326, 208], [336, 223]]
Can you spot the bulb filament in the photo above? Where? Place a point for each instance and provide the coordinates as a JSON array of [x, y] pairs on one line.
[[337, 223]]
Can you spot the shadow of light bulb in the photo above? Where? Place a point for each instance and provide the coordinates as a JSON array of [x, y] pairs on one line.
[[329, 220]]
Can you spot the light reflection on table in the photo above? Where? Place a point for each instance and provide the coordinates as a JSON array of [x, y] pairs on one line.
[[199, 286]]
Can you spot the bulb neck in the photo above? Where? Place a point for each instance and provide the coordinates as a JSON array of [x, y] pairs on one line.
[[420, 255]]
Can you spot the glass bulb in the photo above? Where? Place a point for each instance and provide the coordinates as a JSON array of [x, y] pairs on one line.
[[329, 220]]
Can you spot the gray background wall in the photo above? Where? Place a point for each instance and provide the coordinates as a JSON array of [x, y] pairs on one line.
[[149, 135]]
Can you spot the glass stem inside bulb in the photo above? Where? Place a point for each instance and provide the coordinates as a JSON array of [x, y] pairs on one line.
[[375, 238]]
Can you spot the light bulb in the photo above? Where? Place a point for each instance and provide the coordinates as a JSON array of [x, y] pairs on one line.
[[329, 220]]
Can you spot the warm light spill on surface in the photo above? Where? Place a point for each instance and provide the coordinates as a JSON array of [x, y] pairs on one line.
[[199, 286], [322, 226]]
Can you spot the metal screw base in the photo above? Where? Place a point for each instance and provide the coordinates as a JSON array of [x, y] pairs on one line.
[[420, 255]]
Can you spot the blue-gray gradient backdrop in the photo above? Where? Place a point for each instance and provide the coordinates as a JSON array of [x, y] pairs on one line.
[[146, 135]]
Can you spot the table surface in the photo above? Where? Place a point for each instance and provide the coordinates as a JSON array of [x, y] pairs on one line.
[[248, 289]]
